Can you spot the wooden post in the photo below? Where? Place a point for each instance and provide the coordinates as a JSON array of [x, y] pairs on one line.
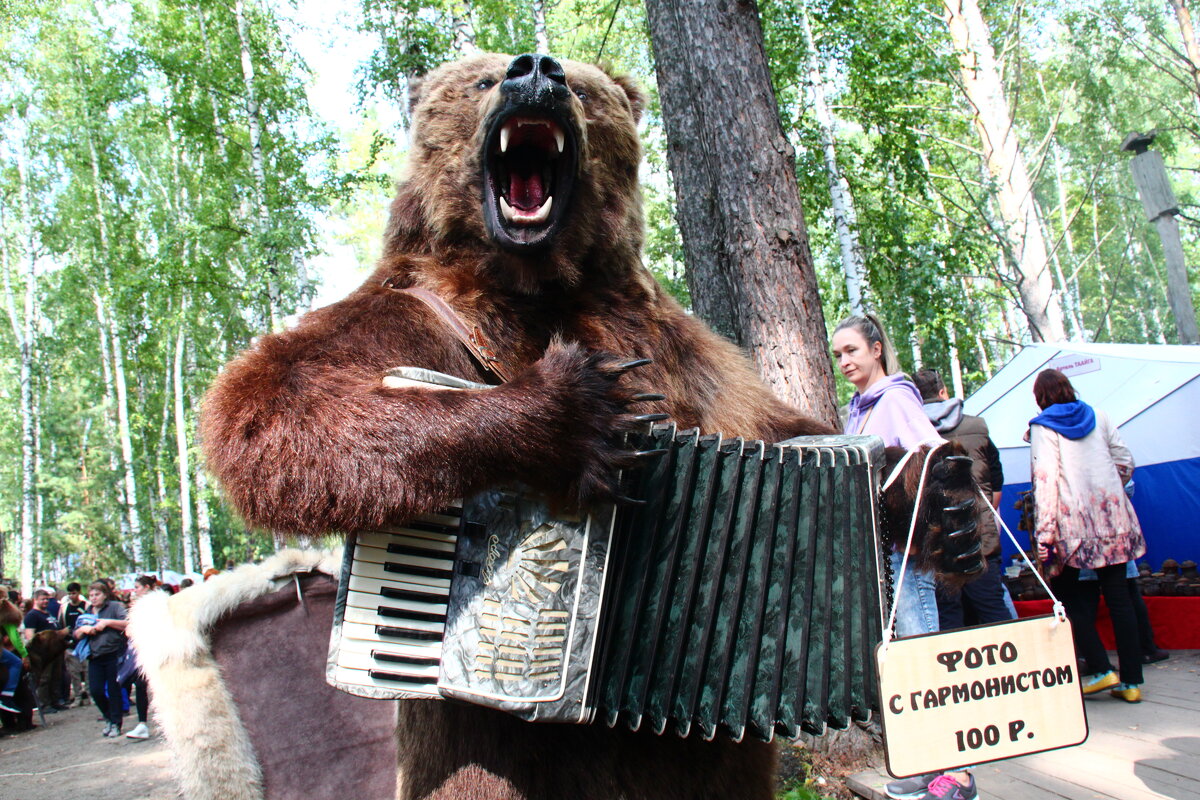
[[1154, 188]]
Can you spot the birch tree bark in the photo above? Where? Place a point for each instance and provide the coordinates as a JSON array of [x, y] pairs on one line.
[[750, 271], [1013, 191], [845, 218], [540, 35], [182, 459], [257, 169], [113, 335], [24, 330]]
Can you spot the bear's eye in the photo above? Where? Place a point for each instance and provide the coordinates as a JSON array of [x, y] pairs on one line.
[[582, 95], [485, 84]]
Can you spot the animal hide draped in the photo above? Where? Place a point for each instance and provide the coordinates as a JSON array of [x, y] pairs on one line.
[[236, 670]]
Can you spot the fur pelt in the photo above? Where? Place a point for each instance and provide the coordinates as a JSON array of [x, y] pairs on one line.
[[212, 754]]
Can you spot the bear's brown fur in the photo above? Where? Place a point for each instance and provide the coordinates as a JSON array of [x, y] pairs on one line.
[[306, 439]]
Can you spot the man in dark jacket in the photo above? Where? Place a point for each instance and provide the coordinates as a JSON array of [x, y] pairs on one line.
[[982, 600]]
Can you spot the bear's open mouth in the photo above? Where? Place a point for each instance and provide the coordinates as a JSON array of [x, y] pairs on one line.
[[529, 171]]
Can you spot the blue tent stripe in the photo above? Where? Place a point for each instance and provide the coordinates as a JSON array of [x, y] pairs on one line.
[[1167, 501]]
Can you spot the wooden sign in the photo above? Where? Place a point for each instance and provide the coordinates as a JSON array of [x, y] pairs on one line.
[[964, 697]]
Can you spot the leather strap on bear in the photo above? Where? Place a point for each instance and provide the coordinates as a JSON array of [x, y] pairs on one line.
[[471, 337]]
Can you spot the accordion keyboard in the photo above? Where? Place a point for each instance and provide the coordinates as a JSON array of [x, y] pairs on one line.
[[397, 586]]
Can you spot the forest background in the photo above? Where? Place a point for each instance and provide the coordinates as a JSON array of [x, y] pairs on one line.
[[177, 176]]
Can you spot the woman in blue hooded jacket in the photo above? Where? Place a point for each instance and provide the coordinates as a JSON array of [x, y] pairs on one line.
[[1085, 520]]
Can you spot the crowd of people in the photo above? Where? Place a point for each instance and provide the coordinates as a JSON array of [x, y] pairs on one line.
[[1087, 533], [60, 649]]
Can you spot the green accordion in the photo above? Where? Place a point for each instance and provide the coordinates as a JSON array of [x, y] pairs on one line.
[[741, 595]]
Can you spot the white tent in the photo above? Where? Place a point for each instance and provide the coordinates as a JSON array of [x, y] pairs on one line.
[[1152, 392]]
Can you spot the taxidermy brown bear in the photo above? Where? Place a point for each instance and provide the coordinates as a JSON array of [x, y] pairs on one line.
[[521, 210]]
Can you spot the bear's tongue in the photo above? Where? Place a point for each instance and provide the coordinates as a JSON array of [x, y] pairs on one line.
[[526, 192]]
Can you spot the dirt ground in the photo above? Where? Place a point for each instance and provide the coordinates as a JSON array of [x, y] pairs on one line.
[[69, 758]]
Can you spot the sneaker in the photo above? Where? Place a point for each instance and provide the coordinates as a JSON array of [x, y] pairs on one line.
[[140, 732], [944, 787], [8, 703], [1155, 657], [1099, 682], [910, 788], [108, 726], [1129, 692], [113, 731]]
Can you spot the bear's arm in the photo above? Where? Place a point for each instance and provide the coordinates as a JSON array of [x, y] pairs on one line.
[[306, 439]]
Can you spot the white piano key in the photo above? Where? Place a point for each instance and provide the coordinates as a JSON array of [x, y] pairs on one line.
[[375, 586], [362, 647], [360, 677], [367, 616], [371, 602], [442, 542], [368, 569], [377, 555]]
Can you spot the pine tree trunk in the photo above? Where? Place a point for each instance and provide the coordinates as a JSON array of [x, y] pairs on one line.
[[845, 218], [749, 267], [1184, 18], [984, 91]]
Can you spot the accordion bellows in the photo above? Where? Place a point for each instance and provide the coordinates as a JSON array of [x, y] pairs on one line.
[[742, 597]]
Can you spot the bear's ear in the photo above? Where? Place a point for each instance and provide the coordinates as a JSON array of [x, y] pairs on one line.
[[414, 93], [637, 100]]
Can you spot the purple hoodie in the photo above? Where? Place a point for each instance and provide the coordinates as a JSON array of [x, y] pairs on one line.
[[891, 409]]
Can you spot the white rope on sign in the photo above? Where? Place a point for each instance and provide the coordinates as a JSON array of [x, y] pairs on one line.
[[912, 528], [1060, 613]]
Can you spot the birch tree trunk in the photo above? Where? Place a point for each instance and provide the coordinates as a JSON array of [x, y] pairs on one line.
[[845, 218], [1006, 167], [203, 524], [126, 438], [540, 35], [108, 319], [257, 170], [182, 458], [749, 267], [24, 331]]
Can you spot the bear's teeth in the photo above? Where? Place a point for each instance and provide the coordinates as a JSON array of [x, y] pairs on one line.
[[559, 138], [504, 139], [524, 217]]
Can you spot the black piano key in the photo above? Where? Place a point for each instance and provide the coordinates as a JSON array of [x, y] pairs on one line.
[[420, 552], [397, 632], [426, 572], [404, 613], [431, 596], [393, 676], [395, 658]]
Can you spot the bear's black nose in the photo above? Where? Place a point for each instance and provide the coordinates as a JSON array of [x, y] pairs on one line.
[[534, 80]]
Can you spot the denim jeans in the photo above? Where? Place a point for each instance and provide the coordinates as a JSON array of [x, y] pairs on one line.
[[12, 664], [916, 602]]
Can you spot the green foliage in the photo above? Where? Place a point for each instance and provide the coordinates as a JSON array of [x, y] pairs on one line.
[[138, 203]]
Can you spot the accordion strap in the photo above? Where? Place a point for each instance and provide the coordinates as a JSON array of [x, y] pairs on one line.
[[471, 336]]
